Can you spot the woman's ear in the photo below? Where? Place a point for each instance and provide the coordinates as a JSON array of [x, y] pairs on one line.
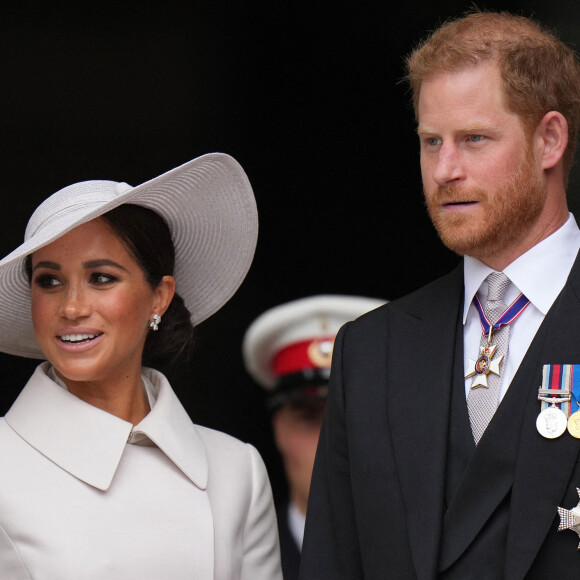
[[163, 295]]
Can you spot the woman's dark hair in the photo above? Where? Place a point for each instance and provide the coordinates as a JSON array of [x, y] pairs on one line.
[[148, 239]]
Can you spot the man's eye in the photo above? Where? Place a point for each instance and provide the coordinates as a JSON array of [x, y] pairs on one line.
[[476, 138], [433, 141]]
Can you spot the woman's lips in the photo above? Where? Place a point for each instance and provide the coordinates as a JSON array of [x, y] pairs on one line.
[[76, 338], [78, 341]]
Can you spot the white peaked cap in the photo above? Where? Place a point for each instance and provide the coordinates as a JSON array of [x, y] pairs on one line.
[[296, 323]]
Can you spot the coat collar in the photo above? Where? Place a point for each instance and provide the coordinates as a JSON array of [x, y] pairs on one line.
[[88, 442]]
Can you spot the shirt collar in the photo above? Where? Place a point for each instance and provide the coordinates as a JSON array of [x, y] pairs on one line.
[[88, 442], [296, 523], [551, 259]]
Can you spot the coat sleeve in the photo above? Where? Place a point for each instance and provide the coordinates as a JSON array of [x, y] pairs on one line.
[[11, 565], [331, 546], [261, 557]]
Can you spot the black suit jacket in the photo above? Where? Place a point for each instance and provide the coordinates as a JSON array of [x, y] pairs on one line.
[[289, 551], [377, 504]]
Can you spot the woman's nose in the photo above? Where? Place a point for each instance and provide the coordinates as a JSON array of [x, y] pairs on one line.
[[74, 304]]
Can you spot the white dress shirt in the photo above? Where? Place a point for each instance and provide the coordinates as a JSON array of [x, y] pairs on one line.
[[296, 524], [540, 274], [85, 495]]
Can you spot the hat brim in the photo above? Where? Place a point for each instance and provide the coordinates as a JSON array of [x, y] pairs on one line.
[[210, 209]]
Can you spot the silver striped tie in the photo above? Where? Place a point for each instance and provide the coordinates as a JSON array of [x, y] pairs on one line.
[[482, 402]]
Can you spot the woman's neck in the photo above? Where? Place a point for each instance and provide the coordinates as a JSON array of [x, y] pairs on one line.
[[125, 398]]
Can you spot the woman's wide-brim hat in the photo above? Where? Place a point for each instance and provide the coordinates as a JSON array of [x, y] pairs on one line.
[[209, 207]]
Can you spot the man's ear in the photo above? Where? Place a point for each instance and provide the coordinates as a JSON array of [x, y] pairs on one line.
[[551, 138]]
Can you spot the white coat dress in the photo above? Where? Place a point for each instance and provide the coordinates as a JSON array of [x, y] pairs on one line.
[[85, 495]]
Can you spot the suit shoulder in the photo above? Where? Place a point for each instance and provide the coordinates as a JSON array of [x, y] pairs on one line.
[[443, 287], [453, 278]]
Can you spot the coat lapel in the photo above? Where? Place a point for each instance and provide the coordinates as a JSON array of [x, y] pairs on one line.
[[421, 345], [512, 455], [544, 466], [489, 477], [537, 470]]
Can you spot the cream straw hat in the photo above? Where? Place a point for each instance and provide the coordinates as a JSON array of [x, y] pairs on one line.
[[210, 209]]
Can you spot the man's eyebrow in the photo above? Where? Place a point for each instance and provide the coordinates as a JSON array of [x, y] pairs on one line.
[[424, 131], [472, 128], [475, 127]]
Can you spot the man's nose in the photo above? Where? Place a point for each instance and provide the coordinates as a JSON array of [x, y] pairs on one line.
[[449, 165]]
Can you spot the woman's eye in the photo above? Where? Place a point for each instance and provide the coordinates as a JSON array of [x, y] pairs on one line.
[[46, 281], [99, 279]]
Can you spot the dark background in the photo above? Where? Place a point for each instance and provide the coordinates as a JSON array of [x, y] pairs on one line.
[[307, 96]]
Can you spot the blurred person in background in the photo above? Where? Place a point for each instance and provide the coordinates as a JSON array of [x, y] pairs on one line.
[[287, 350]]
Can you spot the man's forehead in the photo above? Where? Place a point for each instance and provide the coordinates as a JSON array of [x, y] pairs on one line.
[[471, 95], [462, 68]]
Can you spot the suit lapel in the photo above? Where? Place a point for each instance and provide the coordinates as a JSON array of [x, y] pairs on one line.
[[512, 455], [489, 476], [422, 335], [537, 470], [544, 466]]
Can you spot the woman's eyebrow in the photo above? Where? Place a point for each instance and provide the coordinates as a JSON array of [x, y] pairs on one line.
[[47, 264], [102, 262], [87, 265]]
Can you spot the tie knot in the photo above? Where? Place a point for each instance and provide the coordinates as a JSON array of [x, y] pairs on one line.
[[497, 283]]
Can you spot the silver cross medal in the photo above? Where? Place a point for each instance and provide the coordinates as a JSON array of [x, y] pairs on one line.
[[570, 519], [484, 364]]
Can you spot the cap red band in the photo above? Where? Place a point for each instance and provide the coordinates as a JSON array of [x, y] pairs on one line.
[[306, 354]]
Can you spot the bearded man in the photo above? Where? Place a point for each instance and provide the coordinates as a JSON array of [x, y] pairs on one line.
[[434, 459]]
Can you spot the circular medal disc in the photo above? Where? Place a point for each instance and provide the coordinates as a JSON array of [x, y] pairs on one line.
[[574, 425], [482, 365], [551, 423]]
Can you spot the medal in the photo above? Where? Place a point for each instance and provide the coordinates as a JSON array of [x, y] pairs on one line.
[[574, 425], [574, 420], [554, 391], [551, 422], [485, 363], [570, 519]]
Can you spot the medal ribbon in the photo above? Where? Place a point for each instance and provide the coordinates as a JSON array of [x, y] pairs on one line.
[[509, 315], [559, 379], [575, 388]]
